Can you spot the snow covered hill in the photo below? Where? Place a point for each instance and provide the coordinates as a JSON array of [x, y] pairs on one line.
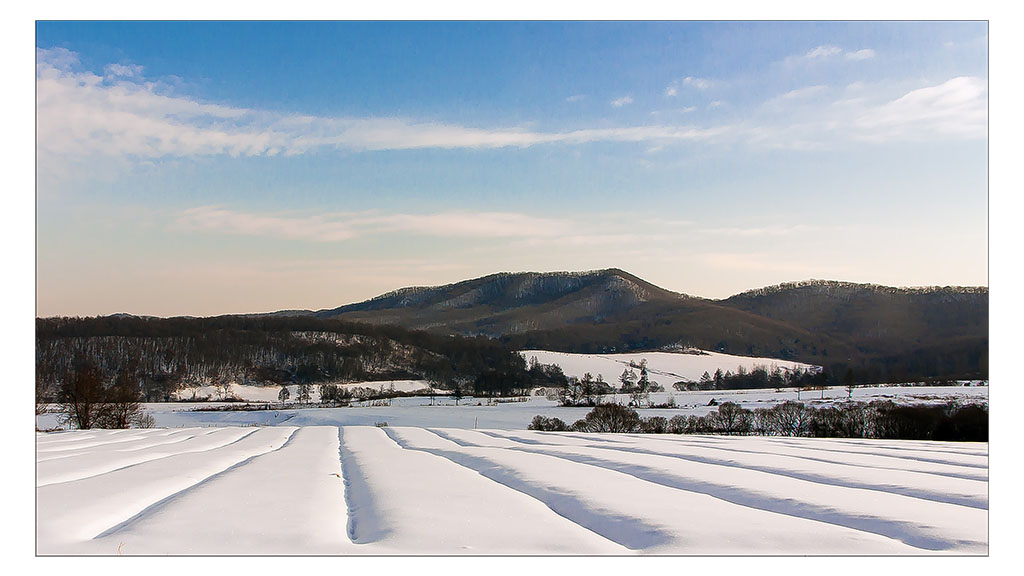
[[410, 490], [666, 368]]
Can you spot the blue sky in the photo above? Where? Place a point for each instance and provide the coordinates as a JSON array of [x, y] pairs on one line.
[[209, 168]]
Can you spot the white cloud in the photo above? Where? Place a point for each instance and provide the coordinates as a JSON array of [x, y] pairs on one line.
[[823, 52], [957, 108], [126, 70], [698, 83], [803, 92], [827, 52], [313, 228], [346, 226], [690, 81], [575, 98], [465, 224], [83, 115], [620, 102], [864, 54]]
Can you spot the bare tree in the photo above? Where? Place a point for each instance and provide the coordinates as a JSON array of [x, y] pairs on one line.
[[80, 393], [43, 395], [121, 406], [609, 418], [303, 393], [731, 419]]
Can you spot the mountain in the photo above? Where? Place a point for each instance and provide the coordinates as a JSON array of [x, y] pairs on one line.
[[510, 303], [879, 330], [932, 329]]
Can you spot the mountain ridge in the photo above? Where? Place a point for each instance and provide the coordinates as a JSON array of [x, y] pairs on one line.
[[880, 332], [773, 288], [599, 311]]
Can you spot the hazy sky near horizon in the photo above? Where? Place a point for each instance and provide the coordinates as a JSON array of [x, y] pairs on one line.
[[212, 168]]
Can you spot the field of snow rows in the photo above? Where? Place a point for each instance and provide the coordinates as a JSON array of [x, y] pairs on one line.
[[329, 490]]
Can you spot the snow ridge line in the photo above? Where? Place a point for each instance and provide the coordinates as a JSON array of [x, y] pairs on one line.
[[917, 450], [630, 532], [527, 441], [122, 450], [94, 444], [903, 531], [243, 437], [822, 479], [876, 447], [961, 476], [809, 476], [363, 526], [149, 510]]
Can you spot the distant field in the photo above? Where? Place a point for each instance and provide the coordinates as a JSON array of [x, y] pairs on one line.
[[403, 490], [666, 368], [479, 413]]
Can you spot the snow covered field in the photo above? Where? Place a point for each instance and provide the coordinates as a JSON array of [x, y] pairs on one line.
[[665, 368], [416, 490], [270, 393], [476, 413], [449, 479]]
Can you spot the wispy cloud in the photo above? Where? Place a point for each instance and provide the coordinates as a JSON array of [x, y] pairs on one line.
[[864, 54], [620, 102], [127, 70], [691, 82], [313, 228], [683, 110], [803, 92], [763, 231], [816, 117], [575, 98], [123, 115], [698, 83], [957, 107], [346, 226], [823, 52], [81, 114], [828, 52]]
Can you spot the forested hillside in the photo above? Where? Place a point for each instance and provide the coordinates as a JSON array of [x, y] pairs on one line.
[[162, 355]]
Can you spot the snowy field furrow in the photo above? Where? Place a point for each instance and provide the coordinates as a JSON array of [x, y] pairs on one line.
[[299, 486], [413, 501], [958, 453], [110, 441], [917, 522], [601, 498], [69, 514], [351, 490], [145, 442], [772, 448], [99, 461], [947, 488]]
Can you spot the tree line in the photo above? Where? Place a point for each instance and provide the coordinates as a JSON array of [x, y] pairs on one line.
[[152, 359], [878, 419]]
